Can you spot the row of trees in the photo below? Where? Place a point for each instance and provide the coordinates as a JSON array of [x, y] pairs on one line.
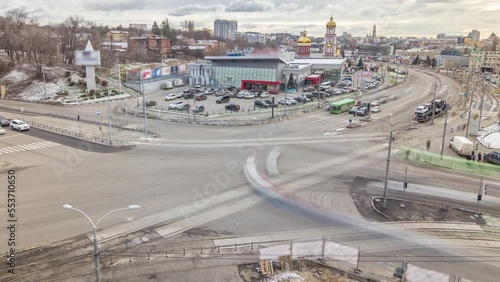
[[428, 61]]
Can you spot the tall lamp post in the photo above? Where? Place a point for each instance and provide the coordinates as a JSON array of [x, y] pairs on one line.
[[388, 158], [94, 225], [109, 120]]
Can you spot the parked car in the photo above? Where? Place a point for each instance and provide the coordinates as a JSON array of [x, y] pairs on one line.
[[270, 103], [197, 85], [375, 103], [249, 95], [309, 89], [301, 99], [189, 90], [19, 125], [261, 104], [242, 94], [150, 103], [200, 97], [4, 121], [292, 100], [188, 95], [169, 97], [375, 109], [174, 106], [2, 131], [264, 94], [274, 91], [285, 102], [184, 107], [222, 99], [209, 91], [492, 157], [233, 107], [199, 109], [221, 92], [363, 111]]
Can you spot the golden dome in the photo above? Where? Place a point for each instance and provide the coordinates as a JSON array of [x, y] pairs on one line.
[[331, 23], [304, 39]]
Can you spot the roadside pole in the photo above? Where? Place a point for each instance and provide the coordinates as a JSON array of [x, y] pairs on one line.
[[109, 120], [434, 103], [479, 196], [444, 131], [470, 103], [405, 185], [144, 111], [272, 108]]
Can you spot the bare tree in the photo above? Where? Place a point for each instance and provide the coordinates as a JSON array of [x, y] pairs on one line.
[[13, 25], [72, 37]]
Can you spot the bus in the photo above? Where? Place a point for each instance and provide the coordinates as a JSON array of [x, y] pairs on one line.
[[341, 106]]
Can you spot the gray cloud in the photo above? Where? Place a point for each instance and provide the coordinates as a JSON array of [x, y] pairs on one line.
[[110, 6], [193, 9], [250, 6]]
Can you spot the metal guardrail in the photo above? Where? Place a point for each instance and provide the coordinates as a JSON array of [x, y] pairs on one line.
[[54, 129]]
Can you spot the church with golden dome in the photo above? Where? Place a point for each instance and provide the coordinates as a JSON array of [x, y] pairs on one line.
[[304, 46], [331, 49]]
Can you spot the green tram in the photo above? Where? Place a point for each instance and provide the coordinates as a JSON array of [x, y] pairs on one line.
[[341, 106]]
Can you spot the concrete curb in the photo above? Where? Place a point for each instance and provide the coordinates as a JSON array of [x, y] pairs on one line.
[[378, 211]]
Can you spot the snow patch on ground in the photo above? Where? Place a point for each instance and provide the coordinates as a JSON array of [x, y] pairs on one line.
[[285, 277], [491, 136], [15, 76], [36, 91]]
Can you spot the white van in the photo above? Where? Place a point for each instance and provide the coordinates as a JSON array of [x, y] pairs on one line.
[[461, 145], [168, 85]]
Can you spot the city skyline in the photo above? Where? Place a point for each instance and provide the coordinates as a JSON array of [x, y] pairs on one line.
[[421, 18]]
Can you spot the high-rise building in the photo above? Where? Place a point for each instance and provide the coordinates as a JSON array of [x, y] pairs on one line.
[[441, 36], [374, 33], [225, 29], [475, 35]]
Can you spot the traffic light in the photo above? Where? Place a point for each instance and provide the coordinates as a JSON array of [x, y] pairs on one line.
[[484, 189], [477, 146]]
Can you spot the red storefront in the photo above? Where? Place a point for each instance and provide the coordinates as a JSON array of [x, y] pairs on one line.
[[270, 86]]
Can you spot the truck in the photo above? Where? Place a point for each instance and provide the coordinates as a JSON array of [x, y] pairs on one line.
[[178, 82], [167, 85], [461, 145]]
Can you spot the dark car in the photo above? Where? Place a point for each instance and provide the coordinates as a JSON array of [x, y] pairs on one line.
[[311, 97], [200, 97], [185, 107], [233, 107], [189, 90], [270, 103], [199, 109], [261, 104], [492, 157], [4, 121], [309, 89], [150, 103], [363, 111], [301, 99], [188, 95], [222, 99]]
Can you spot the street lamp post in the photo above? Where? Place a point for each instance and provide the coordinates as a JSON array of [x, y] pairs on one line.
[[388, 159], [109, 121], [94, 225]]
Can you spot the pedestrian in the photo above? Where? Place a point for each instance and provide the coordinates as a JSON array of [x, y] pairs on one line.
[[473, 156], [463, 127], [479, 157], [458, 127], [451, 129], [428, 144]]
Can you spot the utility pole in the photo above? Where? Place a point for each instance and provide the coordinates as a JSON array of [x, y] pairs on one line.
[[444, 131], [119, 78], [479, 196], [482, 101], [109, 121], [405, 185], [144, 111], [434, 103], [470, 103]]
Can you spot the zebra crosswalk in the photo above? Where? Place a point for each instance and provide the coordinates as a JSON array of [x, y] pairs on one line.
[[26, 147]]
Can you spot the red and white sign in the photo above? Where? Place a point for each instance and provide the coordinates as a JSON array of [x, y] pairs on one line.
[[146, 74]]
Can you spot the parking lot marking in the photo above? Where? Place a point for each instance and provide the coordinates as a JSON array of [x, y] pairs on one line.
[[26, 147]]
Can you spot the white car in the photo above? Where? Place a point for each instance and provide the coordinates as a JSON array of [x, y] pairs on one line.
[[264, 95], [375, 109], [375, 103], [293, 101], [285, 102], [249, 95], [19, 125], [242, 94], [175, 105], [2, 131], [170, 97]]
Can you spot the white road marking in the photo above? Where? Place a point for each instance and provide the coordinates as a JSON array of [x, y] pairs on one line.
[[26, 147], [11, 136]]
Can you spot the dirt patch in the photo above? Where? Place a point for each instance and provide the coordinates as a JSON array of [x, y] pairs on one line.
[[308, 272], [425, 212]]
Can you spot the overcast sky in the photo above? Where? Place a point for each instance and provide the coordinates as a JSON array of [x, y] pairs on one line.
[[392, 17]]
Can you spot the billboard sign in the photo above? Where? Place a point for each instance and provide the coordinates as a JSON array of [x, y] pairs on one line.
[[146, 74], [174, 69], [133, 75], [165, 71], [182, 69], [156, 72], [87, 58]]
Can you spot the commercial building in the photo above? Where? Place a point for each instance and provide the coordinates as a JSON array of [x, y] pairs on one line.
[[475, 35], [225, 29], [484, 61]]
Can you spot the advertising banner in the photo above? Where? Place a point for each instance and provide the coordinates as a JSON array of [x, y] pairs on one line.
[[133, 75], [165, 71], [87, 58], [182, 69], [146, 74], [156, 72]]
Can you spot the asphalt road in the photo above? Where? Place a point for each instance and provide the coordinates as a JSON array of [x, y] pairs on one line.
[[193, 163]]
